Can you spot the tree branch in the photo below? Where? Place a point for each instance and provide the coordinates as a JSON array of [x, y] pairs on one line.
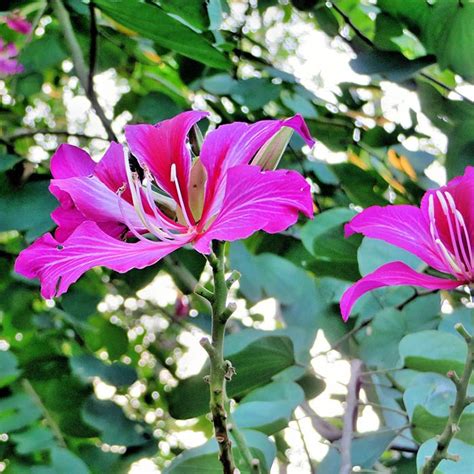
[[350, 416], [460, 403], [79, 64]]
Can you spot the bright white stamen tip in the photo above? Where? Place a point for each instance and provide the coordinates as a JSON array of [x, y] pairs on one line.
[[173, 173]]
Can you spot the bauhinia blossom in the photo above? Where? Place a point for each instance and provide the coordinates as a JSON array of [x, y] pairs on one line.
[[8, 64], [123, 218], [440, 232]]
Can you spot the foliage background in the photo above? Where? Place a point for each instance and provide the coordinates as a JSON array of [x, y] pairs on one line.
[[103, 377]]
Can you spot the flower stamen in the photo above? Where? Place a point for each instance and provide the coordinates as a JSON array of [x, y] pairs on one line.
[[174, 179]]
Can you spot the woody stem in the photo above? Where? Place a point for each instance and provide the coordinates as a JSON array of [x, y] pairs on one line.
[[220, 370], [460, 403]]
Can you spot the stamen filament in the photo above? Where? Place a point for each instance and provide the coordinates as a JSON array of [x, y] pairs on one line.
[[174, 179]]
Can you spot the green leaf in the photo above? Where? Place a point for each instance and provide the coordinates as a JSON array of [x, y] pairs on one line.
[[255, 93], [27, 208], [33, 55], [457, 447], [433, 351], [109, 419], [379, 347], [16, 412], [298, 104], [269, 408], [8, 161], [153, 23], [8, 368], [62, 461], [365, 451], [34, 439], [460, 148], [428, 399], [204, 458], [192, 12], [86, 367], [390, 65], [256, 359], [105, 335], [324, 238]]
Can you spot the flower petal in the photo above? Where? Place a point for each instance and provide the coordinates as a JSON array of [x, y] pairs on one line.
[[236, 144], [70, 161], [256, 200], [58, 265], [401, 225], [161, 145], [391, 274]]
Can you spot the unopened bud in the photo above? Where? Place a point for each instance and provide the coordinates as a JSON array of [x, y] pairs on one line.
[[271, 152]]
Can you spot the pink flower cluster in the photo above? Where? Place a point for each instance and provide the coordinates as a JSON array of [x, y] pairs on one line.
[[122, 218], [9, 65]]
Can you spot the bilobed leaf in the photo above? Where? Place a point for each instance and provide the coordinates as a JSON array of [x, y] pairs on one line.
[[8, 161], [151, 22], [204, 458], [433, 351], [457, 447], [269, 409], [256, 363]]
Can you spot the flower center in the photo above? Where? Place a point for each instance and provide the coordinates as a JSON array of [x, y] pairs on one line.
[[456, 249]]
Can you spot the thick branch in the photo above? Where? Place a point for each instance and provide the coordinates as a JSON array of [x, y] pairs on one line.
[[79, 64], [350, 416], [460, 403]]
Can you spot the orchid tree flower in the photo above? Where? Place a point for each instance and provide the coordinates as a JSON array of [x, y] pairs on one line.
[[124, 218], [8, 64], [440, 232]]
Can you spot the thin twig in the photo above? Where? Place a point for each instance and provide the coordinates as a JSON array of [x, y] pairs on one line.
[[47, 416], [92, 49], [350, 416], [305, 446], [252, 462], [370, 43], [30, 133], [79, 64], [461, 402]]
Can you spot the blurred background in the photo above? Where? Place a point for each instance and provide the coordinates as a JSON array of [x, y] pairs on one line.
[[108, 378]]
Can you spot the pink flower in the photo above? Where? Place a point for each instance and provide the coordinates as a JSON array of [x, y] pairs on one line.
[[9, 65], [171, 203], [17, 23], [441, 233]]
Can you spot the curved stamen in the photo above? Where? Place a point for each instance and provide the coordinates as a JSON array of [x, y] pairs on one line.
[[463, 237], [455, 243], [138, 205], [445, 254], [164, 220], [126, 220], [174, 179]]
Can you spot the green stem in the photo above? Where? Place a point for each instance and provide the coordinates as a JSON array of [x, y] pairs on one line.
[[460, 403], [221, 370], [79, 64], [252, 462]]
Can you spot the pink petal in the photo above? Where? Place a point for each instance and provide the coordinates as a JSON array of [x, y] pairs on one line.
[[9, 67], [236, 144], [256, 200], [58, 265], [401, 225], [19, 25], [94, 199], [70, 161], [162, 145], [461, 189], [391, 274]]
